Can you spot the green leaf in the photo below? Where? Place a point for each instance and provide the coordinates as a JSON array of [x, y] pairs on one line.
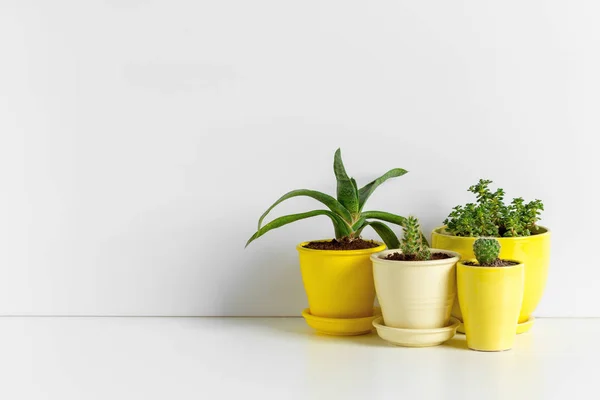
[[385, 216], [358, 224], [387, 235], [326, 199], [388, 217], [365, 192], [346, 191], [354, 184], [341, 228]]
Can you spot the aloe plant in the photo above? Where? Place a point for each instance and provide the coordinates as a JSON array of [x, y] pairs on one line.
[[345, 211]]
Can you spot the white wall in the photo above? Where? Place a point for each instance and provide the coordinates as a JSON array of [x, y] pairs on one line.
[[141, 140]]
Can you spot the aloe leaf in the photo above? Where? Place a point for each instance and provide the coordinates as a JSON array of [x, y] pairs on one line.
[[388, 217], [354, 184], [365, 192], [385, 232], [326, 199], [339, 231], [358, 227], [341, 228], [385, 216], [346, 190], [358, 224]]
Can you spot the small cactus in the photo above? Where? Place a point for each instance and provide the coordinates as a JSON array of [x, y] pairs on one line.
[[413, 243], [486, 250]]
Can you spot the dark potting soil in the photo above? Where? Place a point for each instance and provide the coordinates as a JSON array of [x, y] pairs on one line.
[[411, 257], [497, 263], [343, 244]]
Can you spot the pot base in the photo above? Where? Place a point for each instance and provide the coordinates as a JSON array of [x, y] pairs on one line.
[[341, 326], [521, 328], [525, 326], [416, 337]]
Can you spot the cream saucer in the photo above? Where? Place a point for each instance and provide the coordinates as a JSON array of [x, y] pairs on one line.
[[341, 326], [521, 328], [416, 337]]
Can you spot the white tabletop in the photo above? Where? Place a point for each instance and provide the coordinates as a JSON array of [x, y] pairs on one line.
[[281, 358]]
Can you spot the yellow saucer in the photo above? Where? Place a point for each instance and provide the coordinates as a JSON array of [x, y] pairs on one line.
[[521, 328], [341, 326], [416, 337], [525, 326]]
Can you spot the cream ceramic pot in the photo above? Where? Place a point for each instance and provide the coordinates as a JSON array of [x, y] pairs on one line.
[[415, 294]]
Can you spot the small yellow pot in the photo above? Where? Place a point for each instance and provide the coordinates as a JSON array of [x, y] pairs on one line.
[[490, 299], [338, 283], [533, 251]]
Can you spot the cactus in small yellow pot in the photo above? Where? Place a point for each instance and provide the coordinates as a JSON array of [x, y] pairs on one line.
[[515, 226], [490, 293]]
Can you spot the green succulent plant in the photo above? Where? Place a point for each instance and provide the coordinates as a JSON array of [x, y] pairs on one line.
[[486, 250], [413, 242], [345, 211], [491, 217]]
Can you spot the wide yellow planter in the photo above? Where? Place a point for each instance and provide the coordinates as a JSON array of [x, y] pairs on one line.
[[338, 283], [490, 300], [533, 251]]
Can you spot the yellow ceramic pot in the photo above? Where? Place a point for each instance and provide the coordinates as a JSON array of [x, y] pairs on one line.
[[533, 251], [338, 283], [490, 299]]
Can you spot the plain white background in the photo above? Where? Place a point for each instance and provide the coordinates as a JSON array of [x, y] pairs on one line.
[[141, 140]]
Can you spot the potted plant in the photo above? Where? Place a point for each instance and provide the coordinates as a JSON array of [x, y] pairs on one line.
[[516, 229], [416, 288], [337, 273], [490, 291]]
